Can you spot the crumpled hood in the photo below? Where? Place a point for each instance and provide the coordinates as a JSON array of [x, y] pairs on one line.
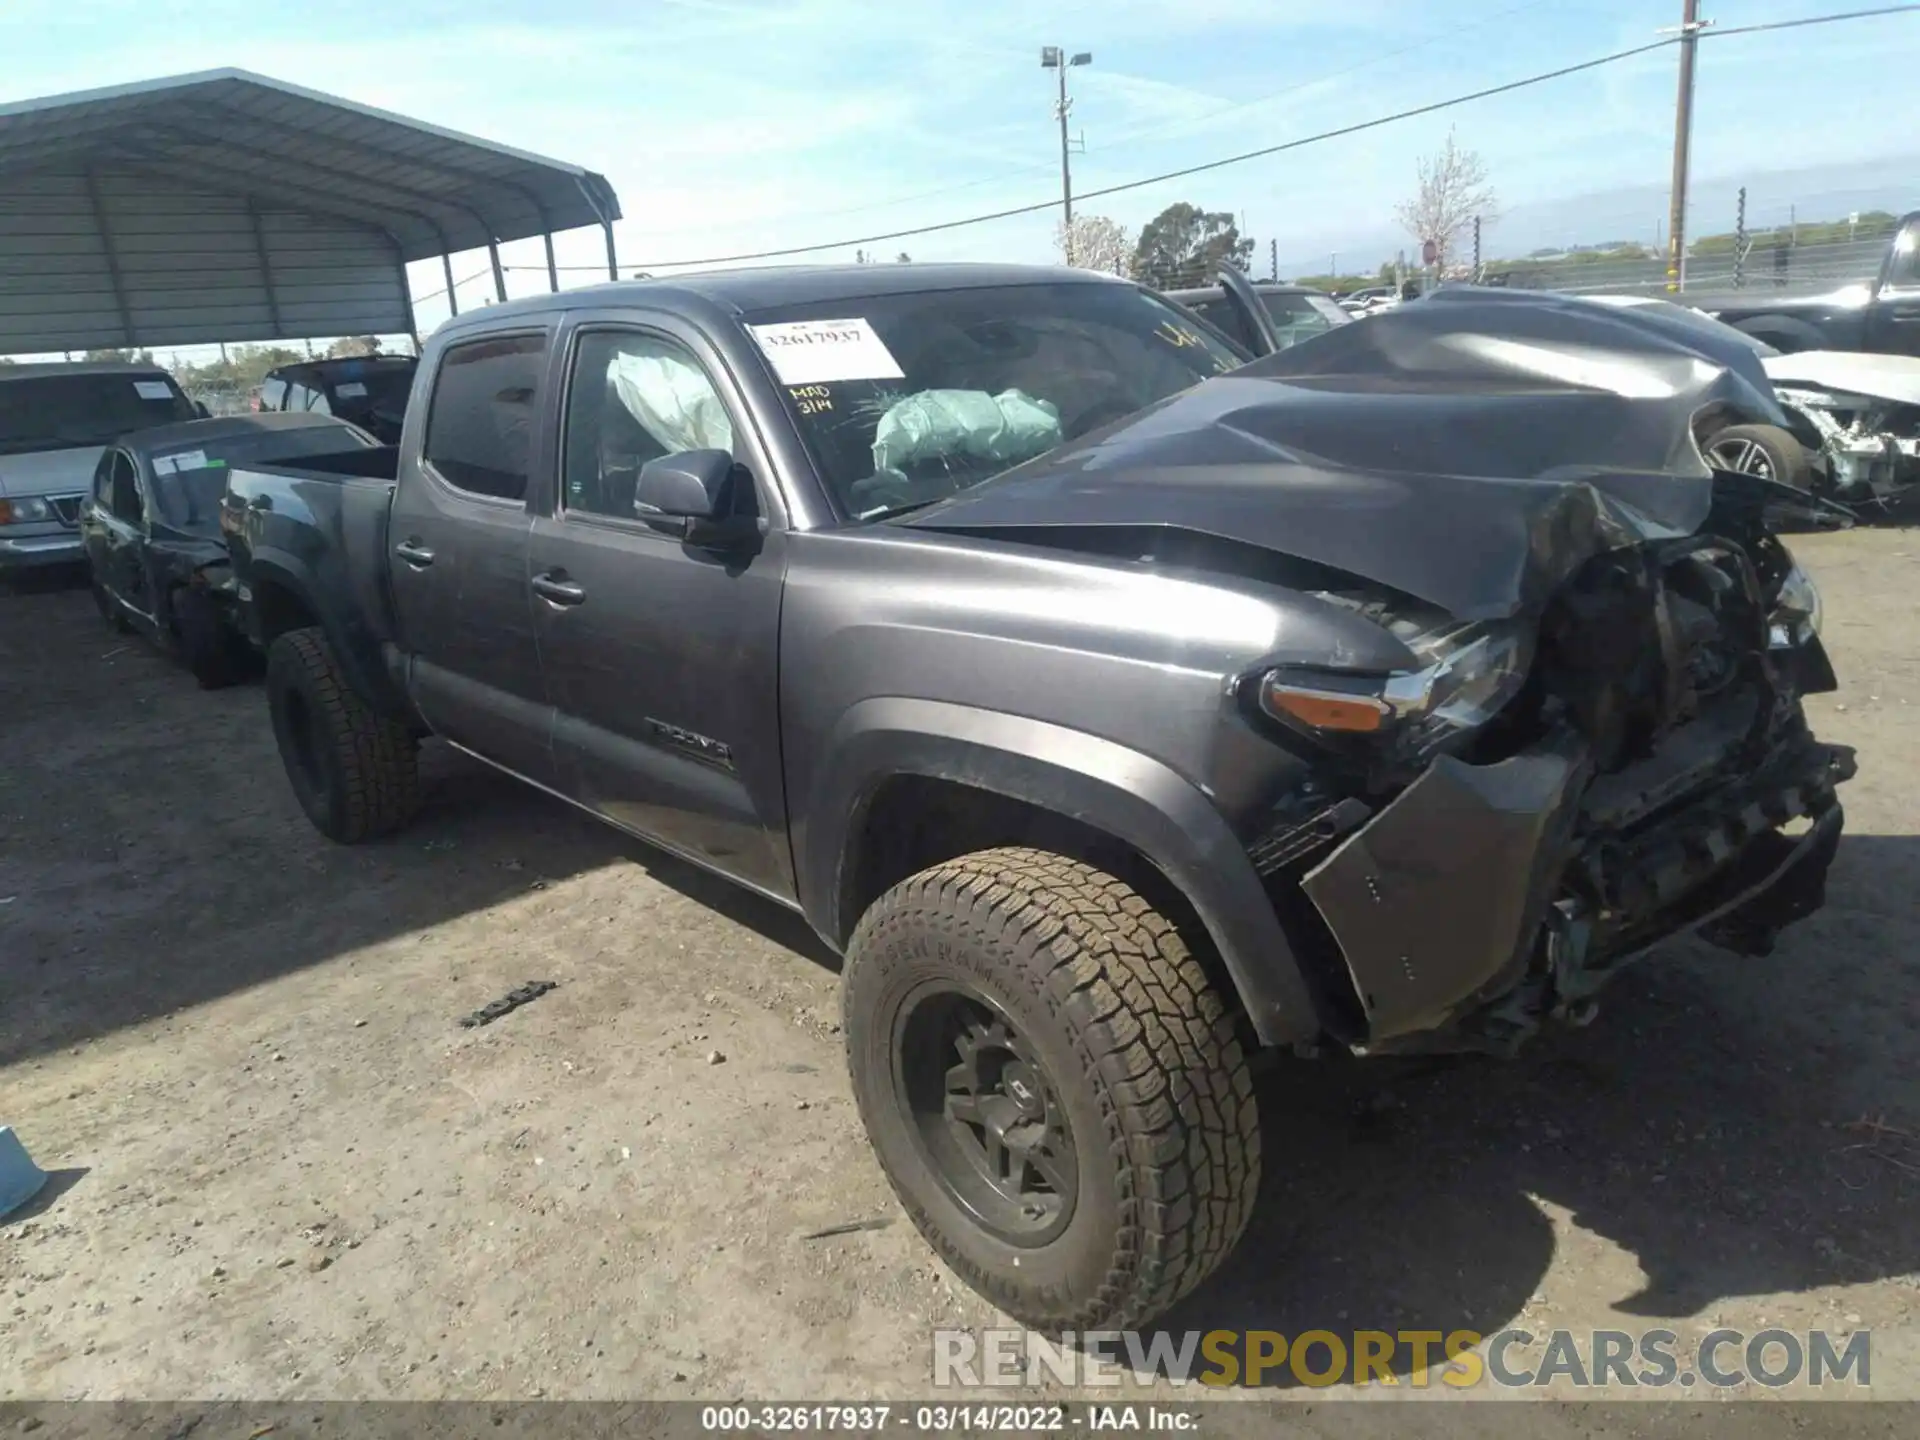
[[1471, 453], [49, 472]]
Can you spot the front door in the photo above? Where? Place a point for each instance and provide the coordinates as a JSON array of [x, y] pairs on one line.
[[661, 658], [1896, 312], [457, 538], [114, 530]]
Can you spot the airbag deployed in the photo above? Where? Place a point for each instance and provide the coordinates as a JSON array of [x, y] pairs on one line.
[[965, 425]]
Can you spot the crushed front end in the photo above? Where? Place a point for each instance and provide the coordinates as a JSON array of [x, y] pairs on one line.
[[1498, 838]]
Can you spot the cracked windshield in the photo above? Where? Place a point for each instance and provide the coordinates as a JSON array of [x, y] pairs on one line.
[[907, 399]]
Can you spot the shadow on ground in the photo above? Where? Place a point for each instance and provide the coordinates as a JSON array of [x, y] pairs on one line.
[[154, 858], [1709, 1123]]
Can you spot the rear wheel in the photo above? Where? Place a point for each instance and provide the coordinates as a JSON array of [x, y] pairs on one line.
[[1763, 450], [1053, 1086], [355, 771]]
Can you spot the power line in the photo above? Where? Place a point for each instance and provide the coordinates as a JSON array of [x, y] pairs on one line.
[[1315, 139], [1125, 133], [1305, 140], [1811, 20]]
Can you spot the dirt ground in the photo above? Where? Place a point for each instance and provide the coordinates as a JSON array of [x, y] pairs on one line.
[[283, 1170]]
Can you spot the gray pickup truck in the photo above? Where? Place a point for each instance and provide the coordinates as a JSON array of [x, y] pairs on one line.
[[1116, 711]]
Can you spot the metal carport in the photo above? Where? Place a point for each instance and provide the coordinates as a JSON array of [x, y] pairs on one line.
[[230, 206]]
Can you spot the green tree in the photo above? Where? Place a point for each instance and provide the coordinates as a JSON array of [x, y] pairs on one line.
[[354, 345], [1185, 245]]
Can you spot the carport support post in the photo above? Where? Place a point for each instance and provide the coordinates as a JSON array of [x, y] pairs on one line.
[[553, 270], [446, 266], [613, 259], [112, 257], [499, 275]]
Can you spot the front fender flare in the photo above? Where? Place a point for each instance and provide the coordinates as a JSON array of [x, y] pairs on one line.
[[1118, 791]]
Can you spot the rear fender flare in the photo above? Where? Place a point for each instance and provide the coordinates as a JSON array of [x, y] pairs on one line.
[[356, 651], [1120, 792]]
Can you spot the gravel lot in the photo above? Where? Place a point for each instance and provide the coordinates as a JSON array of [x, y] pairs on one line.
[[284, 1170]]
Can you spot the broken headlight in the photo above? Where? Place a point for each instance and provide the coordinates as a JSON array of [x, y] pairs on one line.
[[1796, 611], [1469, 673]]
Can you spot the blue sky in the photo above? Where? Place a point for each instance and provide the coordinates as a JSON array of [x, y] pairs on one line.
[[735, 125]]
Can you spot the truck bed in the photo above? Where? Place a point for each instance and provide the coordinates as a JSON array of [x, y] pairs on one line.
[[316, 529]]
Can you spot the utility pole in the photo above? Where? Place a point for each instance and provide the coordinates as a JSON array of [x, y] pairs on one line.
[[1740, 241], [1690, 28], [1273, 259], [1052, 57], [1476, 249]]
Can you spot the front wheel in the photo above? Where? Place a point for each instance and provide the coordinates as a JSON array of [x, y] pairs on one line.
[[355, 771], [1052, 1084], [1763, 450], [207, 645]]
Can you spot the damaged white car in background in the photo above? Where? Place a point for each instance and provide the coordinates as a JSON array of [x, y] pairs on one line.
[[1865, 410], [1856, 416]]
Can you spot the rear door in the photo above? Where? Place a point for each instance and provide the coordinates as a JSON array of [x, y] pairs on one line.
[[661, 657], [457, 538]]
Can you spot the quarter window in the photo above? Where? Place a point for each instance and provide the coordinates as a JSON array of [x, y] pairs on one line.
[[634, 398], [480, 424]]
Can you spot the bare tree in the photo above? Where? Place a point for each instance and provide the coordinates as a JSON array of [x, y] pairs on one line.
[[1094, 243], [1453, 189]]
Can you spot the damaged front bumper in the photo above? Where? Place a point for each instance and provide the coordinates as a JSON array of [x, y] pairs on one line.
[[1486, 898]]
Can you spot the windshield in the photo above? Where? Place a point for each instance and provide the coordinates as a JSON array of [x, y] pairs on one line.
[[189, 481], [65, 412], [906, 399]]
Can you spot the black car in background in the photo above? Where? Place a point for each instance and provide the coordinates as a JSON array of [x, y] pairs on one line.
[[368, 390], [151, 528]]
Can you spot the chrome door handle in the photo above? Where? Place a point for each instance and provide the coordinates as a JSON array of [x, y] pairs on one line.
[[556, 591], [414, 553]]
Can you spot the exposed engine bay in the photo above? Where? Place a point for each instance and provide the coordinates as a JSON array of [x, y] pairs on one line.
[[1864, 411], [1652, 774]]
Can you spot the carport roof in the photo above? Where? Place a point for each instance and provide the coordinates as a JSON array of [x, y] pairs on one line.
[[234, 132], [230, 206]]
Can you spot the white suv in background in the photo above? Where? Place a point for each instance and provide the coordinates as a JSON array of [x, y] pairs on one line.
[[54, 422]]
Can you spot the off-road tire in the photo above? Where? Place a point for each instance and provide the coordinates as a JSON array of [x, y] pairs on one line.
[[1139, 1044], [1785, 456], [355, 771], [206, 645]]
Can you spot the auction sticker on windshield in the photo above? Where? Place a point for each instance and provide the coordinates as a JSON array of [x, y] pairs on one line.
[[179, 461], [818, 352], [153, 389]]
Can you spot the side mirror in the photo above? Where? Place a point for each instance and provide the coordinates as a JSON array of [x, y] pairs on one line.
[[688, 494], [689, 486]]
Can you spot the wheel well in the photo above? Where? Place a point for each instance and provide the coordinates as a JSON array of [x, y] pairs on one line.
[[916, 821], [279, 610]]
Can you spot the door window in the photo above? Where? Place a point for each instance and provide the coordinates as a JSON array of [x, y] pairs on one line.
[[273, 394], [124, 490], [1903, 270], [480, 420], [1224, 315], [634, 398]]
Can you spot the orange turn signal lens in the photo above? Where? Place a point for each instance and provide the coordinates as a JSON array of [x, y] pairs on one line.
[[1326, 710]]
